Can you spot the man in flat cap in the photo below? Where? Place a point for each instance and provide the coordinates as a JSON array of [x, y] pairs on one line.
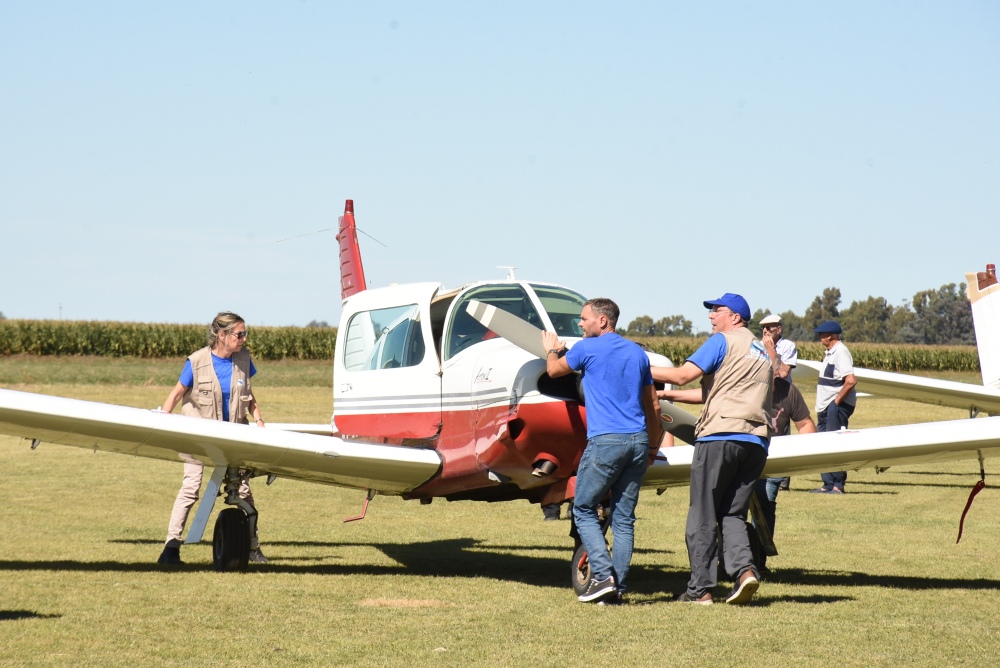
[[788, 354], [730, 450], [835, 395], [788, 358]]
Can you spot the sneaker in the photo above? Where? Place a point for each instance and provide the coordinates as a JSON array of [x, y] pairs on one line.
[[598, 589], [171, 556], [837, 490], [704, 599], [821, 490], [745, 589], [617, 599], [257, 557]]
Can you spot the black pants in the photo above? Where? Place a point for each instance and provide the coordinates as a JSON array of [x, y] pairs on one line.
[[723, 474]]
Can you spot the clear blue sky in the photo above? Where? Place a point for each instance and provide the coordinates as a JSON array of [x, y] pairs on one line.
[[658, 153]]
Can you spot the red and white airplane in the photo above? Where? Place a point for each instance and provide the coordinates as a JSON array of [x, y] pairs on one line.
[[431, 402]]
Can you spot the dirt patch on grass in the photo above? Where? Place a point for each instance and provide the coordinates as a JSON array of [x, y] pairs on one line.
[[403, 603]]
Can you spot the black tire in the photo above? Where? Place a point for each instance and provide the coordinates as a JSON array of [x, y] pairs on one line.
[[231, 542], [580, 570]]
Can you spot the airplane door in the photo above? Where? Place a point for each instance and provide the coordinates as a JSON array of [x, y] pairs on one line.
[[387, 378]]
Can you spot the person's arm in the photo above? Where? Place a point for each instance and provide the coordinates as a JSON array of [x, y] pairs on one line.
[[172, 398], [555, 364], [678, 375], [654, 429], [692, 396], [255, 413], [850, 380], [806, 426], [767, 338]]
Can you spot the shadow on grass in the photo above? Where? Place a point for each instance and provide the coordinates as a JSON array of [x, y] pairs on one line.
[[6, 615], [884, 483], [468, 557]]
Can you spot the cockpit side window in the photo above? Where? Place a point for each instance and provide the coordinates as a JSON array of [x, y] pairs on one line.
[[465, 331], [563, 307], [384, 339]]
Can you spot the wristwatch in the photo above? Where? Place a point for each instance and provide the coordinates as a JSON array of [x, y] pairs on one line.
[[553, 350]]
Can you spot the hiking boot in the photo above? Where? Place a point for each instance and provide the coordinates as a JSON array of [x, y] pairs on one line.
[[171, 556], [598, 589], [257, 557], [704, 599], [745, 589]]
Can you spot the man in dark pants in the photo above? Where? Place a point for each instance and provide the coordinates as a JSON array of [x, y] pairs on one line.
[[787, 406], [835, 395], [732, 435]]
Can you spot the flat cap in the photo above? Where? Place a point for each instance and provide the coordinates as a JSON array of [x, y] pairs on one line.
[[828, 327]]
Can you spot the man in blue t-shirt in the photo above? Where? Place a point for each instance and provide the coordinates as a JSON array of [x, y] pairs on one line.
[[623, 434]]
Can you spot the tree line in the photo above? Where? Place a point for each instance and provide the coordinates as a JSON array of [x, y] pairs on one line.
[[933, 317]]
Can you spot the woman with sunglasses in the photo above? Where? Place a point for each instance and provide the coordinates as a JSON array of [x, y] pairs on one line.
[[215, 385]]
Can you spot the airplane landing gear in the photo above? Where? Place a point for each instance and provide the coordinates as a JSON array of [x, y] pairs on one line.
[[579, 569], [231, 542], [233, 529], [580, 564]]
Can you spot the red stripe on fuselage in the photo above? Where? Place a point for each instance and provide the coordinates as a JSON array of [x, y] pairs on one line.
[[499, 438]]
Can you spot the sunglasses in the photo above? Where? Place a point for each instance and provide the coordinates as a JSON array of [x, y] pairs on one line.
[[239, 335]]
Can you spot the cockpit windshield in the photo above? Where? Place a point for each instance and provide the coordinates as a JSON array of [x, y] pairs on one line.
[[563, 307]]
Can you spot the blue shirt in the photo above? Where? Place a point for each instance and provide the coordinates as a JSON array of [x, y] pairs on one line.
[[615, 371], [709, 358], [223, 371]]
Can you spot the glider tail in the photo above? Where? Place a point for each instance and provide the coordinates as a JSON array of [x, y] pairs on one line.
[[352, 273], [984, 293]]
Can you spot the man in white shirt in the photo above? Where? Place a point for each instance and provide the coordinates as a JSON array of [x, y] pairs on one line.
[[787, 352], [835, 395]]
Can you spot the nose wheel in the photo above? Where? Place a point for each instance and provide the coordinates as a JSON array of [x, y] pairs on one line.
[[231, 542], [580, 570]]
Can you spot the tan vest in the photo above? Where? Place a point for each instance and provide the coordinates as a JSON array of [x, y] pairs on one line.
[[737, 396], [204, 399]]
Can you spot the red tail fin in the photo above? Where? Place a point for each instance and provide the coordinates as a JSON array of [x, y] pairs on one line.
[[352, 274]]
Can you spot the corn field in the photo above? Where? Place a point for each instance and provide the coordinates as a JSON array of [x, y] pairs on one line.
[[134, 339], [880, 356]]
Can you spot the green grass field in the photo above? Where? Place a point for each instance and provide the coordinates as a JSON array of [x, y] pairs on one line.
[[873, 578]]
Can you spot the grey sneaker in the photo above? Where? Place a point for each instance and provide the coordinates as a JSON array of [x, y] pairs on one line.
[[745, 589], [706, 599], [598, 589], [257, 557], [171, 556]]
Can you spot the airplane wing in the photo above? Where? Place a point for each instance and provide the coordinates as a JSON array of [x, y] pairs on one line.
[[851, 450], [974, 398], [303, 456]]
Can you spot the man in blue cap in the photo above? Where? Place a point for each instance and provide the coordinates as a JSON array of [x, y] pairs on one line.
[[835, 395], [730, 450]]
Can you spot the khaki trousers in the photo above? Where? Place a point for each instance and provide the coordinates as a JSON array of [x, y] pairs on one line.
[[186, 498]]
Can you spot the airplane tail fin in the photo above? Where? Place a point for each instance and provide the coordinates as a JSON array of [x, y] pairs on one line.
[[352, 273], [984, 293]]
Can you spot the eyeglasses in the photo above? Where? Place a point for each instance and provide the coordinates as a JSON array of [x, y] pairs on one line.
[[719, 309], [239, 335]]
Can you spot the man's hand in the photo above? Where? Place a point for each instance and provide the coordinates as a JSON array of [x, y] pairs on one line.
[[550, 341]]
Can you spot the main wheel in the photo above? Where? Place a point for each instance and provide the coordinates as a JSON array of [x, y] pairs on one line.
[[231, 542], [580, 569]]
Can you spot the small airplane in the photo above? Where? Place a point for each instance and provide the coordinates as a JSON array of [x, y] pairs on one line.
[[444, 393]]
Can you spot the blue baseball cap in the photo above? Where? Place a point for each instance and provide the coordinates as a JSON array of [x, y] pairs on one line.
[[734, 303], [828, 327]]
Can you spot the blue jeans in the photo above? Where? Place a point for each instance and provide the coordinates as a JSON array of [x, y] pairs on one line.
[[614, 462]]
